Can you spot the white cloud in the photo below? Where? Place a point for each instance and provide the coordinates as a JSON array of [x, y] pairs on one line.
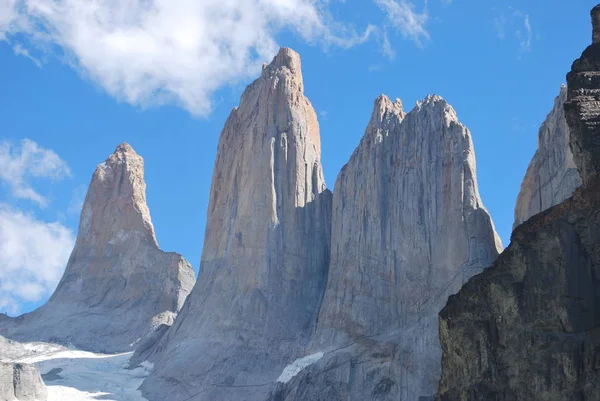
[[401, 15], [33, 256], [150, 52], [29, 160]]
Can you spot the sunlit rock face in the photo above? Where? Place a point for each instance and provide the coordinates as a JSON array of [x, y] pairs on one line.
[[528, 328], [118, 282], [408, 229], [266, 250], [552, 175]]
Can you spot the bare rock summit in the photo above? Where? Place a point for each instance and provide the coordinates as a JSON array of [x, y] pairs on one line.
[[408, 229], [117, 278], [266, 250]]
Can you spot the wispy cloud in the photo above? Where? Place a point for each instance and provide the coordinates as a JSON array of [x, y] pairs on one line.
[[20, 163], [517, 23], [387, 48], [21, 51], [401, 15], [524, 35], [33, 256]]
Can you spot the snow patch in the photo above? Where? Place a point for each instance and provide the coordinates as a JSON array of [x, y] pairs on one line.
[[87, 376], [297, 366], [102, 165]]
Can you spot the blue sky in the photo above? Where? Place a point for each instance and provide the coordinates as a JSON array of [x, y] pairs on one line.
[[78, 77]]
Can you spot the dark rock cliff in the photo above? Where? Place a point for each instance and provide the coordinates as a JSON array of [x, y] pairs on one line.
[[528, 328]]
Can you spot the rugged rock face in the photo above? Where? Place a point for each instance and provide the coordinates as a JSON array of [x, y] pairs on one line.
[[117, 279], [21, 382], [552, 175], [528, 328], [408, 229], [266, 250]]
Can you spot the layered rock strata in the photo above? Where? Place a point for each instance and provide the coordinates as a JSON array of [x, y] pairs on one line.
[[266, 250], [528, 328], [552, 175], [117, 280], [408, 229]]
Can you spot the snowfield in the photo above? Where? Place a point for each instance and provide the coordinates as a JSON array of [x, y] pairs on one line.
[[73, 375]]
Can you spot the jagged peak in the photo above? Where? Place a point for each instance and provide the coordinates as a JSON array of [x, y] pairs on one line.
[[383, 105], [437, 104], [118, 182], [431, 99], [287, 59], [285, 69], [124, 147]]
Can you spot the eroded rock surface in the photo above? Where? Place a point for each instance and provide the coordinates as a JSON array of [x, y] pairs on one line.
[[117, 279], [528, 328], [552, 175], [408, 229], [21, 382], [266, 250]]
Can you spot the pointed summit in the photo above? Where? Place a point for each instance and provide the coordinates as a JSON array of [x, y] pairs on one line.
[[266, 248], [408, 229], [384, 108], [116, 201], [117, 280], [288, 58]]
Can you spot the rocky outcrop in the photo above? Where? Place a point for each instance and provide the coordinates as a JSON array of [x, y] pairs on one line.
[[552, 175], [266, 250], [408, 229], [21, 382], [117, 279], [528, 328]]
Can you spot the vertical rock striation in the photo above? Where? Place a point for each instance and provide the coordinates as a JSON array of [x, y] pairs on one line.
[[552, 175], [266, 250], [21, 382], [408, 229], [117, 282], [528, 328]]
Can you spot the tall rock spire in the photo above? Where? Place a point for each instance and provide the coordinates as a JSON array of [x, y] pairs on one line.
[[265, 257], [552, 175], [117, 279], [408, 229], [527, 328]]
